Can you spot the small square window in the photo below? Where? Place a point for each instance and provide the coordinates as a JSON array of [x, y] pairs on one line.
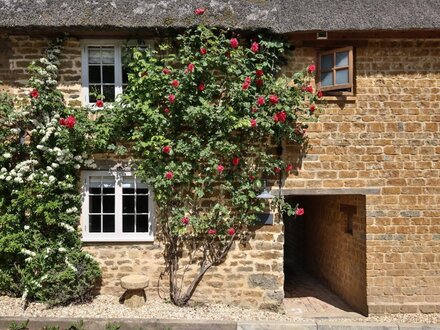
[[335, 71], [116, 207]]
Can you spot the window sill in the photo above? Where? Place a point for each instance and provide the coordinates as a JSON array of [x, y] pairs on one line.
[[114, 239], [339, 98]]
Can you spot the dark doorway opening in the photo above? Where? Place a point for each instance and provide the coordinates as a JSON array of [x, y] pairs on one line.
[[325, 255]]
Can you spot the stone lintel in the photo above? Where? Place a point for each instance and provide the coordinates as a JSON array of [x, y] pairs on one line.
[[319, 191]]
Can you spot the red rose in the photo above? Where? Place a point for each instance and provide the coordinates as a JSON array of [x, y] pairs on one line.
[[289, 168], [247, 83], [34, 93], [203, 51], [235, 161], [220, 168], [185, 220], [166, 149], [319, 94], [99, 103], [273, 99], [282, 116], [201, 87], [231, 231], [62, 122], [212, 232], [175, 83], [166, 110], [259, 72], [259, 82], [309, 89], [253, 110], [70, 122], [253, 122], [311, 68], [199, 11], [312, 107], [277, 170], [169, 175], [234, 42], [261, 100], [299, 211], [172, 98], [251, 178], [166, 71], [255, 47], [190, 68]]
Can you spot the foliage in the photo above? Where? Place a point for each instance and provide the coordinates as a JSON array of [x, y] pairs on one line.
[[42, 145], [203, 123], [19, 326]]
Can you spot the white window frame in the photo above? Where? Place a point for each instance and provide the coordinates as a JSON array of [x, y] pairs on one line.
[[85, 43], [118, 235]]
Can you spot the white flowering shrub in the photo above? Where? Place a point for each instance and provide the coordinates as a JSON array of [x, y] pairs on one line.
[[42, 145]]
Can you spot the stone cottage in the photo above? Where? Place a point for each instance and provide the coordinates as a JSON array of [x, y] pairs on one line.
[[370, 183]]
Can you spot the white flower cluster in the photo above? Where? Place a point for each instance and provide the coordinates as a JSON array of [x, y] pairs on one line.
[[69, 228], [18, 173], [71, 266]]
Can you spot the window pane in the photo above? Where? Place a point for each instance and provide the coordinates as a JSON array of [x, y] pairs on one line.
[[327, 61], [327, 78], [108, 224], [142, 204], [108, 185], [95, 204], [124, 76], [108, 55], [342, 59], [142, 223], [140, 191], [94, 223], [108, 204], [109, 93], [128, 224], [128, 185], [93, 91], [128, 204], [342, 76], [94, 55], [94, 74], [108, 74]]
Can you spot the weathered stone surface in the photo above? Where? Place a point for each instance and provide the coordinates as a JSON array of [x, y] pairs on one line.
[[134, 298], [261, 325], [263, 281], [133, 282], [325, 325]]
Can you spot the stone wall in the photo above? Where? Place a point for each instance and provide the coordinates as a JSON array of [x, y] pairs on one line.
[[252, 274], [17, 52], [387, 136], [319, 241]]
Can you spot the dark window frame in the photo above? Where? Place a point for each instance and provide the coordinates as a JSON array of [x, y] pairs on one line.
[[336, 89]]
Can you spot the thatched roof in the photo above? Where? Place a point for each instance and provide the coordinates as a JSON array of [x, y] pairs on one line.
[[279, 16]]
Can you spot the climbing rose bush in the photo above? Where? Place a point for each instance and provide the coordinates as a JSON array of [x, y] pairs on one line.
[[42, 146], [199, 119]]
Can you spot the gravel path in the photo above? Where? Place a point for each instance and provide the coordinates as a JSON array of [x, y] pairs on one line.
[[106, 306]]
